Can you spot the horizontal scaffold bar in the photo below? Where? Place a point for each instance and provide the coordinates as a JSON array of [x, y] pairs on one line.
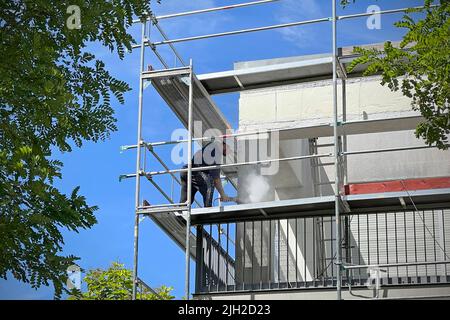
[[168, 209], [227, 136], [208, 10], [349, 153], [228, 165], [256, 162], [391, 11], [314, 131], [277, 26], [242, 31], [162, 206], [189, 13], [401, 264], [165, 73]]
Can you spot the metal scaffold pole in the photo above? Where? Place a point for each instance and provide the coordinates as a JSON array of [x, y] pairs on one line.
[[189, 179], [138, 162], [336, 154]]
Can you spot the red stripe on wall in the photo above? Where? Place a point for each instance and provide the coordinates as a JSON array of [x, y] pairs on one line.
[[398, 185]]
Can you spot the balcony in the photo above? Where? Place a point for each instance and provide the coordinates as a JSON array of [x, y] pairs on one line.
[[403, 248]]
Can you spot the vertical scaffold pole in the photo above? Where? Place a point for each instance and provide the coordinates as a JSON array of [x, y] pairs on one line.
[[336, 155], [344, 135], [189, 179], [138, 161]]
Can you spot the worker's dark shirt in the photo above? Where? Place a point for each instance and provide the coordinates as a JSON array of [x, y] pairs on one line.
[[207, 157]]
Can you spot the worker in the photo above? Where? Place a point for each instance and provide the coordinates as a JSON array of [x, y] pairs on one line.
[[206, 180]]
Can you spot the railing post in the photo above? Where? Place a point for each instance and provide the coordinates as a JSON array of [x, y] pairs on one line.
[[199, 262]]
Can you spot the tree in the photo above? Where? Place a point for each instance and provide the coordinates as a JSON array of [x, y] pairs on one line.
[[116, 283], [419, 67], [54, 95]]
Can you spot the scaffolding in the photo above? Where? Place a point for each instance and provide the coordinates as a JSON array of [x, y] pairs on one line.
[[180, 87]]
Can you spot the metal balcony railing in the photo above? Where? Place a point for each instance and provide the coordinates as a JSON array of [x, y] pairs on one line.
[[406, 248]]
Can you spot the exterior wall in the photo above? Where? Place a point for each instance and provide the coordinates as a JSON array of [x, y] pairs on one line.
[[394, 165], [309, 104]]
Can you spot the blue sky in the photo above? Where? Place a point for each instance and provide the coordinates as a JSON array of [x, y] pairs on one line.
[[96, 167]]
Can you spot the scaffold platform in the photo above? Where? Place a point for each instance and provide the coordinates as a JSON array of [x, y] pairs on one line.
[[324, 206]]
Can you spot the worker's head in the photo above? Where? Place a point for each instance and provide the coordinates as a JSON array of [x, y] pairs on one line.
[[214, 152]]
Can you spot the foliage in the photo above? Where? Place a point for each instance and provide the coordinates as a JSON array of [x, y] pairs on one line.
[[420, 68], [54, 94], [116, 283]]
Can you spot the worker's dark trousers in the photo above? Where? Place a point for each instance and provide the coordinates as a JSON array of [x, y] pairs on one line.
[[201, 182]]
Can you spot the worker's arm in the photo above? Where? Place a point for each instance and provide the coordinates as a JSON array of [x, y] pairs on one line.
[[219, 187]]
